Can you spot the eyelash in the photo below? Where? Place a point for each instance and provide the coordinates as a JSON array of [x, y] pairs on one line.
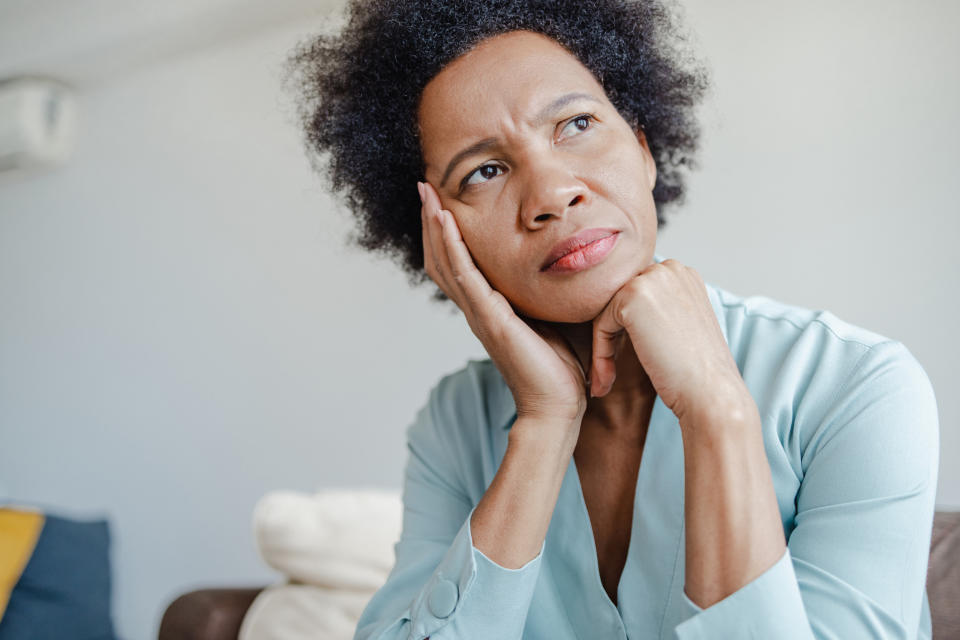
[[588, 116]]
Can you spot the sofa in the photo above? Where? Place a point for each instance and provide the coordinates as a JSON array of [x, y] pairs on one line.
[[219, 613]]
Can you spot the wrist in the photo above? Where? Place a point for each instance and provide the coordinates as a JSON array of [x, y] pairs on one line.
[[721, 419], [548, 435], [720, 411]]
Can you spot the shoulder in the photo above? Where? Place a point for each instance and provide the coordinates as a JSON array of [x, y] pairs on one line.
[[459, 430], [767, 336], [752, 317], [474, 396], [812, 373]]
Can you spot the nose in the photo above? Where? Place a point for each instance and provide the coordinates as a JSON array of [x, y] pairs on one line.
[[551, 190]]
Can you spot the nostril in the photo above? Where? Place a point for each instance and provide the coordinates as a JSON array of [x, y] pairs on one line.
[[575, 200]]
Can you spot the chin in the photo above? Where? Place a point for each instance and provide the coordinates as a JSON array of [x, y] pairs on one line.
[[577, 307], [581, 299]]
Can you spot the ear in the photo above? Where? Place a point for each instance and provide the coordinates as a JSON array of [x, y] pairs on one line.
[[647, 156]]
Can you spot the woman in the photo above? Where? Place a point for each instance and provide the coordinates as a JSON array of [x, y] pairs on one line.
[[643, 455]]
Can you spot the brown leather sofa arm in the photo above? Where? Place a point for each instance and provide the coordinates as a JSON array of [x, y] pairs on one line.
[[943, 575], [207, 614]]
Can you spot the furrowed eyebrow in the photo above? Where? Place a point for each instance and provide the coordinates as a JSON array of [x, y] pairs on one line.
[[472, 150], [487, 143]]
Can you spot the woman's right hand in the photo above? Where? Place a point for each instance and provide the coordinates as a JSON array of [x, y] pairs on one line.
[[547, 379]]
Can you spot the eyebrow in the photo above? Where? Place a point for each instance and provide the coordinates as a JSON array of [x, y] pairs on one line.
[[487, 143]]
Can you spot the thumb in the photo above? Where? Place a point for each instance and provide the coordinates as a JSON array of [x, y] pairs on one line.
[[559, 344], [608, 338]]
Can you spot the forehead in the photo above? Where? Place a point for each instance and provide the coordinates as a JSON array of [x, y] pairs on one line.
[[509, 75]]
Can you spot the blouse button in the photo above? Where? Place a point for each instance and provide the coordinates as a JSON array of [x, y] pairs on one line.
[[443, 598]]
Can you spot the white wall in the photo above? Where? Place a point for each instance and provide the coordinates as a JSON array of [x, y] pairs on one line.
[[829, 173], [181, 329]]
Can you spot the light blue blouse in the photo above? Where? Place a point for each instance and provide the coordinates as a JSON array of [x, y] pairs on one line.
[[851, 433]]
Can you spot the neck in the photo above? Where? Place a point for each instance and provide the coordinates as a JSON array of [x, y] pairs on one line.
[[620, 412]]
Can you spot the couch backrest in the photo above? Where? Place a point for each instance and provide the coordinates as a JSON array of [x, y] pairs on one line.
[[943, 575]]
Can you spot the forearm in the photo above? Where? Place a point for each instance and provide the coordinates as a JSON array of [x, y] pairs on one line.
[[733, 527], [511, 520]]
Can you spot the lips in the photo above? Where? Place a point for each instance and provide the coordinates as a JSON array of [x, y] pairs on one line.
[[574, 242]]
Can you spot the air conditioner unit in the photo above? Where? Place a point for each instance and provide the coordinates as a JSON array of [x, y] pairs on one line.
[[37, 124]]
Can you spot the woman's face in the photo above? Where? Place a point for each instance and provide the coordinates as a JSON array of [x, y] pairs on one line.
[[525, 150]]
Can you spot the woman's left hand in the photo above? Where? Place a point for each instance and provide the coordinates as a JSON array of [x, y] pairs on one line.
[[670, 321]]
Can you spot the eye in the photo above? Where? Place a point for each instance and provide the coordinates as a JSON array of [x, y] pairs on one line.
[[486, 171], [579, 124]]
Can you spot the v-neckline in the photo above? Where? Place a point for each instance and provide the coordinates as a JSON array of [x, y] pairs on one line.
[[585, 520]]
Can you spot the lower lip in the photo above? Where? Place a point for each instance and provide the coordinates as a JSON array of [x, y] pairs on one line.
[[584, 257]]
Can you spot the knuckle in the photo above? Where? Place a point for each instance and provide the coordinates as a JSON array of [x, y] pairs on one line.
[[621, 314], [623, 311], [636, 287]]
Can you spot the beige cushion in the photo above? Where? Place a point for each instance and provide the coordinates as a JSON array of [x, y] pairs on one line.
[[335, 549], [301, 611]]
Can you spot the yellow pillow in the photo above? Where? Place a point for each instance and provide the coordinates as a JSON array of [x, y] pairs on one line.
[[19, 530]]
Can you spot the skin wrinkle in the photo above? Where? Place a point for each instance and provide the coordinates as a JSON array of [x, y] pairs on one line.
[[362, 93], [491, 143], [358, 89], [511, 221], [550, 187], [608, 166]]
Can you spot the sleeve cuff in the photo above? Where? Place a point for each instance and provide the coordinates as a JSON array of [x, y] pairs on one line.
[[471, 596], [770, 606]]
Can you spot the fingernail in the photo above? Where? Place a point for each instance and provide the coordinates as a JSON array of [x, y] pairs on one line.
[[420, 190]]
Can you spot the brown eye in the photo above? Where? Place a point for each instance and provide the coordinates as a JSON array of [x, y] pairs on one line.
[[489, 171], [578, 124], [484, 172]]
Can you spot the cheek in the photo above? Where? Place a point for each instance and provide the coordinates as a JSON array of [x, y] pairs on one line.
[[622, 175], [493, 256], [479, 243], [623, 164]]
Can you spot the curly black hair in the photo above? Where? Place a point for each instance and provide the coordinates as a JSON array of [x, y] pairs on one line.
[[358, 92]]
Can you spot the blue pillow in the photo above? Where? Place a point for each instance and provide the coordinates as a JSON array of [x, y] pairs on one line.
[[64, 590]]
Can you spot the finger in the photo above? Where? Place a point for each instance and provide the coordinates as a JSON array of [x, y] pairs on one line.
[[425, 232], [559, 343], [462, 271], [428, 252], [435, 232], [429, 261], [607, 338], [434, 252]]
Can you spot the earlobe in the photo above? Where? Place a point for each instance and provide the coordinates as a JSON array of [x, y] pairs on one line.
[[651, 165]]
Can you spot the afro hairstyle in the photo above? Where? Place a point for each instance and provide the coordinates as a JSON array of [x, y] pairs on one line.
[[358, 90]]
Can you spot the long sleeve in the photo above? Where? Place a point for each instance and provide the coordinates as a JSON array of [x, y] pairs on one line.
[[442, 586], [856, 560]]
